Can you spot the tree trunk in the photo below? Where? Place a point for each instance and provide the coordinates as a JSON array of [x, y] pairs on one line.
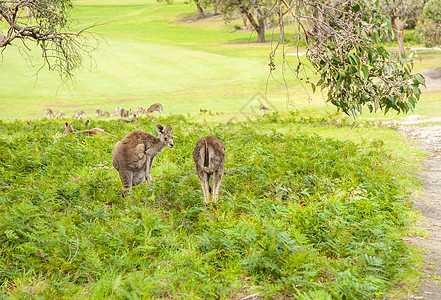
[[259, 26], [201, 14], [398, 35], [261, 30]]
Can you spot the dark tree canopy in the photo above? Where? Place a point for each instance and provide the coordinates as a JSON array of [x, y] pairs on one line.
[[46, 23]]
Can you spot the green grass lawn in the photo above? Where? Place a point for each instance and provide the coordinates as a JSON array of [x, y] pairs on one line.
[[145, 55], [151, 52]]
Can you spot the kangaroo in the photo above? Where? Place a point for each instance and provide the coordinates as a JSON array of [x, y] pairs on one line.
[[91, 132], [263, 107], [79, 114], [133, 155], [133, 120], [99, 111], [48, 112], [139, 110], [154, 107], [117, 111], [124, 113], [60, 114], [68, 128], [209, 157], [102, 113]]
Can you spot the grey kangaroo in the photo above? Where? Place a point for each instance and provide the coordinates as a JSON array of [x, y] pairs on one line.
[[154, 107], [133, 120], [48, 112], [209, 157], [91, 132], [133, 155]]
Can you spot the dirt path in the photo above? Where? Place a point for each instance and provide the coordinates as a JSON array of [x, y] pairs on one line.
[[429, 203]]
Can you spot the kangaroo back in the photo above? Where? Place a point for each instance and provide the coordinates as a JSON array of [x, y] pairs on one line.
[[209, 158], [133, 156]]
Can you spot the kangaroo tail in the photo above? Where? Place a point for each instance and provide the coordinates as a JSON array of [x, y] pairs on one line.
[[206, 157]]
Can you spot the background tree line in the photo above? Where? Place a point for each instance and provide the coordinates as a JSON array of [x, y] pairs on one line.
[[424, 15]]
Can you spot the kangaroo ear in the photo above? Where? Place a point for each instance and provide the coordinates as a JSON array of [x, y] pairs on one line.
[[66, 124], [168, 128], [159, 128]]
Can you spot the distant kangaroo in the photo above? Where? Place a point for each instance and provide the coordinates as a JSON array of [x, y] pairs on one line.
[[133, 120], [133, 155], [117, 111], [263, 107], [48, 112], [154, 107], [60, 114], [79, 114], [209, 157], [124, 112], [139, 110], [102, 113], [91, 132]]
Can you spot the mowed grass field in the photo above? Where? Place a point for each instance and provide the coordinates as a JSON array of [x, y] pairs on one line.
[[148, 52]]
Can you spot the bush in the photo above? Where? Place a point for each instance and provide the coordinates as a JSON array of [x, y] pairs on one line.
[[299, 215]]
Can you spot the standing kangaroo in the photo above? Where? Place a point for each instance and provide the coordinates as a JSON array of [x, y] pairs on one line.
[[209, 157], [133, 155]]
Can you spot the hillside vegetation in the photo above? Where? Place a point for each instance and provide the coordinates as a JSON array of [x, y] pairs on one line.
[[299, 215]]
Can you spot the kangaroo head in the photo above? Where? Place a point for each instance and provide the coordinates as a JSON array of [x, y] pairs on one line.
[[68, 127], [165, 136]]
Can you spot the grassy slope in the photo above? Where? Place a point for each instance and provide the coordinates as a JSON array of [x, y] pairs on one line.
[[147, 57], [147, 54]]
